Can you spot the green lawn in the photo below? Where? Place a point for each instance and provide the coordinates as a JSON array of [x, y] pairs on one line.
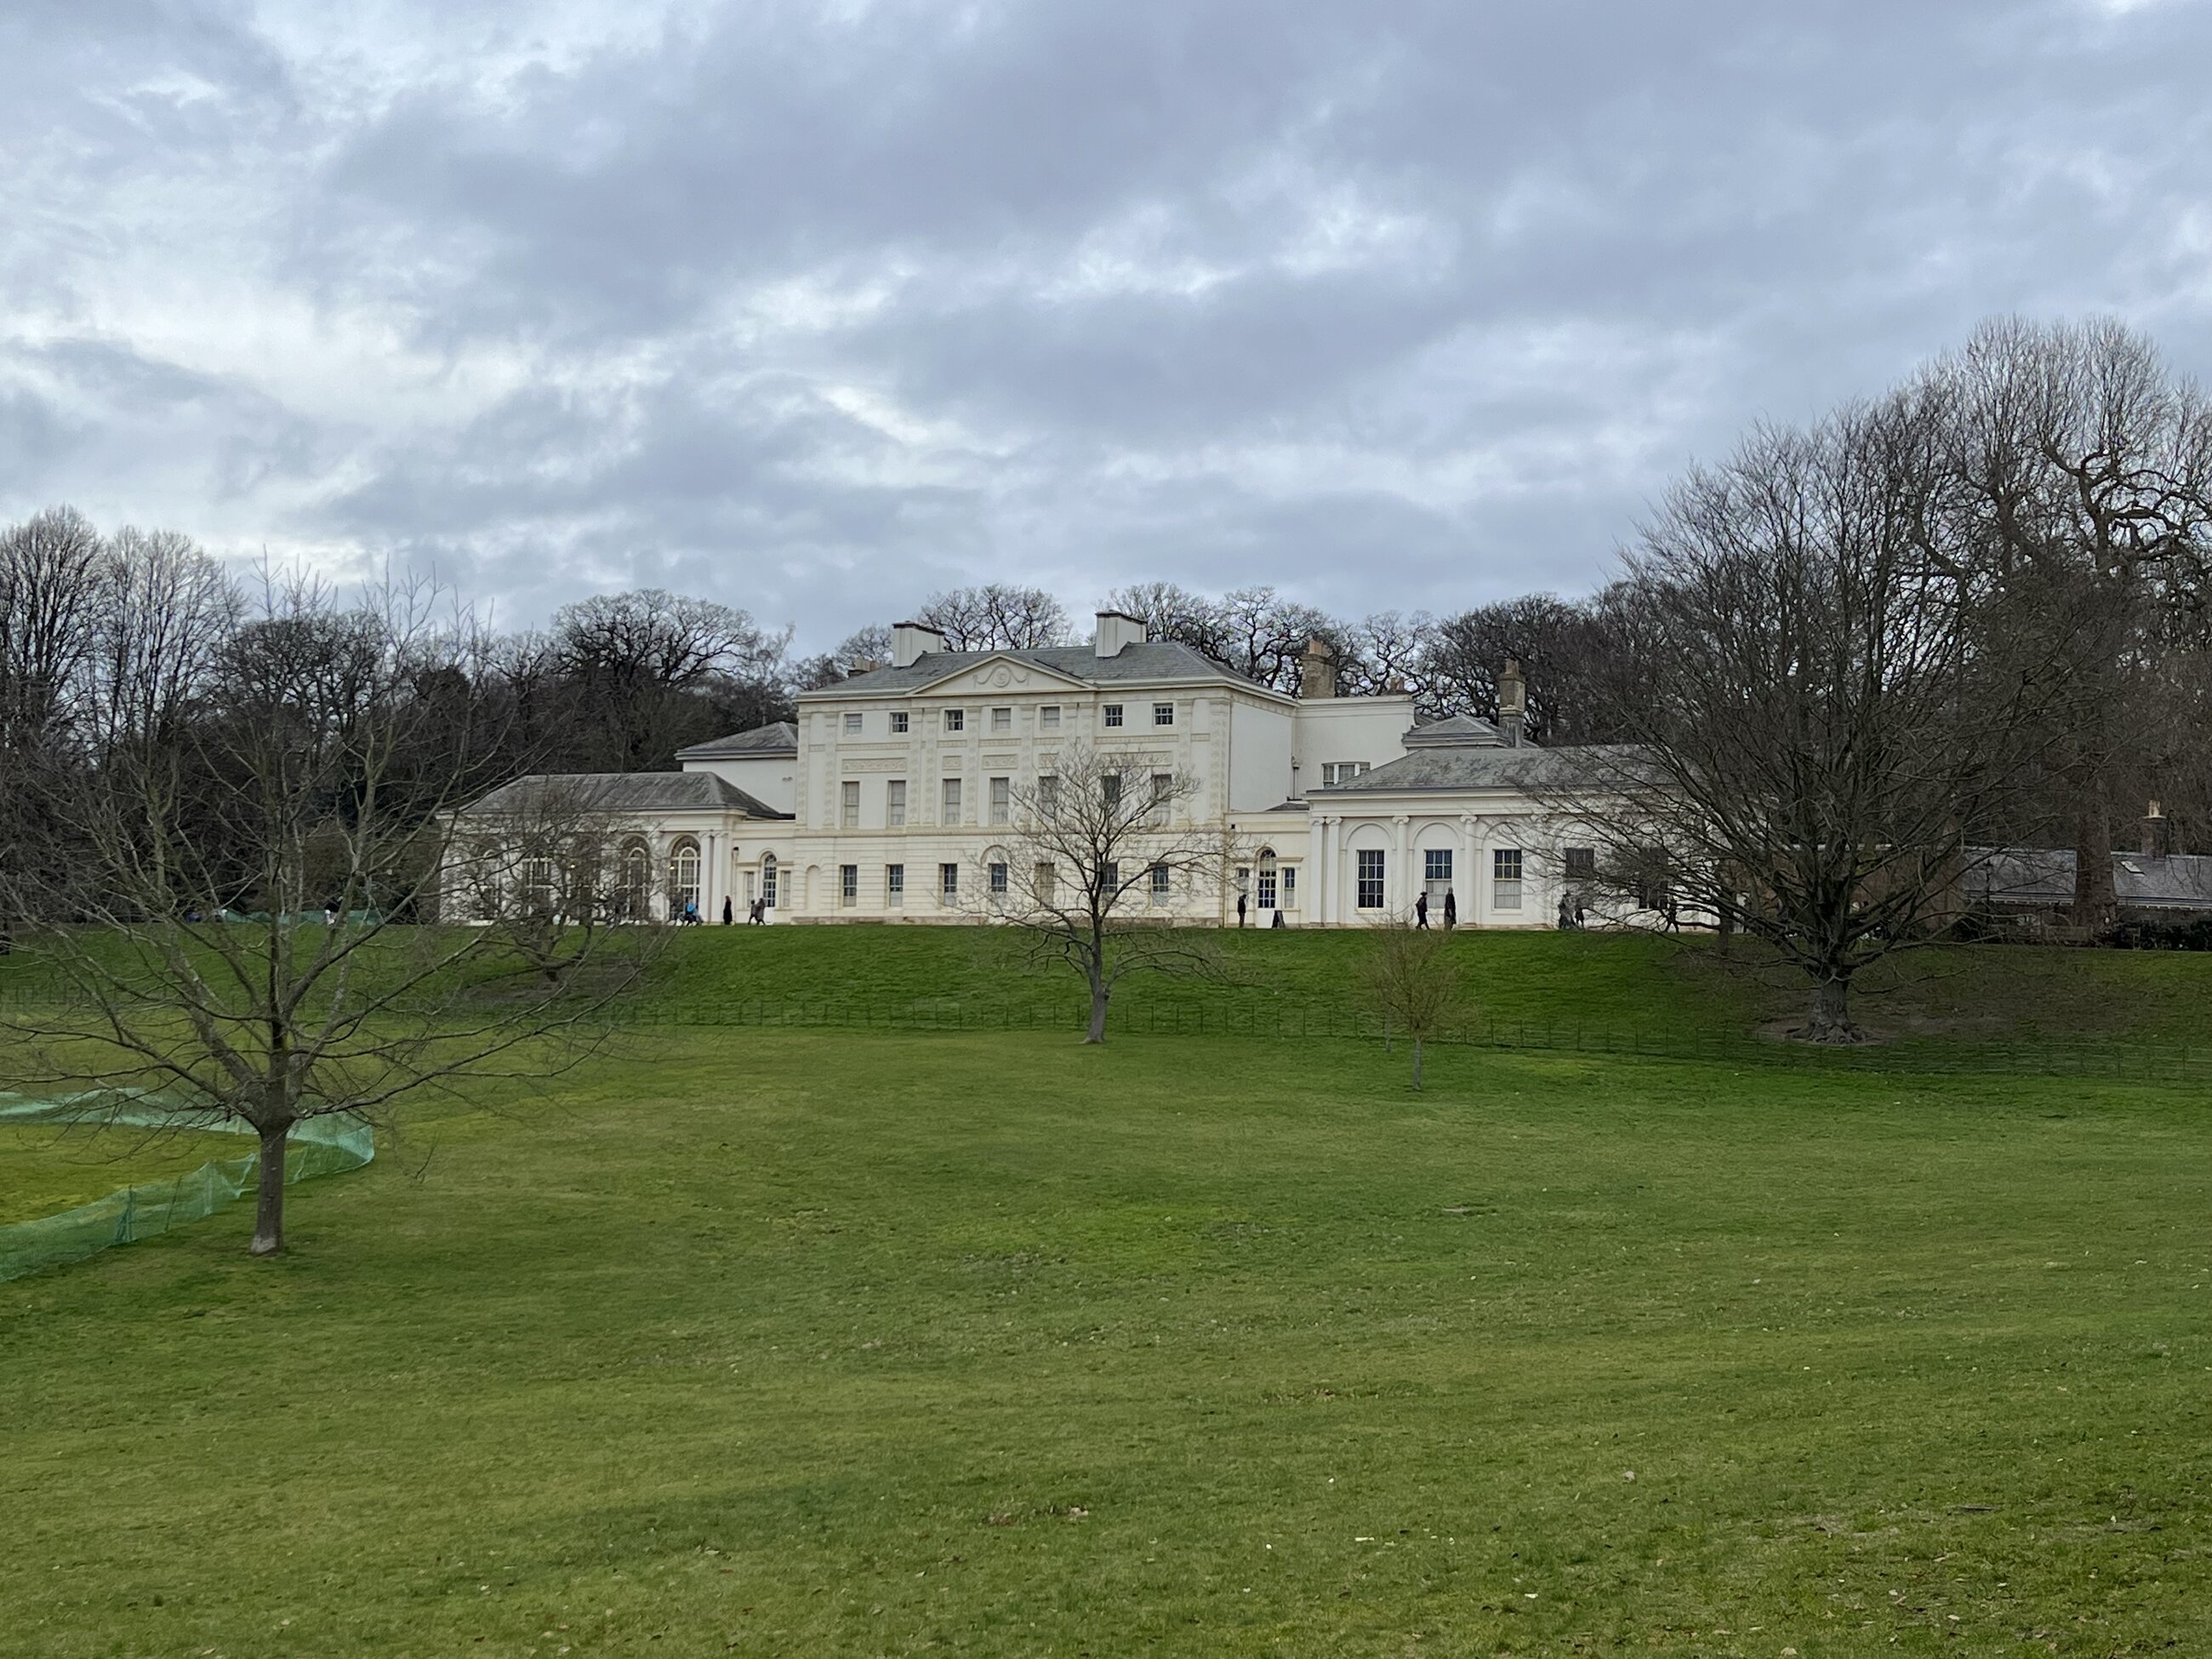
[[45, 1168], [765, 1342]]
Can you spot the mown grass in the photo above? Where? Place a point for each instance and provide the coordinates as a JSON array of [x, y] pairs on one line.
[[45, 1168], [837, 1343]]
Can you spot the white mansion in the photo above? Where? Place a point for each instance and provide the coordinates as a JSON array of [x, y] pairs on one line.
[[886, 799]]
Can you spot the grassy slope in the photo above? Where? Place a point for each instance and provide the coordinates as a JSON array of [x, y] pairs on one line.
[[780, 1343]]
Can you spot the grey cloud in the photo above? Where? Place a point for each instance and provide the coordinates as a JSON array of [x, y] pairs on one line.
[[817, 311]]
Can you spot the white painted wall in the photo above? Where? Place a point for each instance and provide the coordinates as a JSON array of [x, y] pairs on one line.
[[1259, 755], [1331, 729], [772, 783]]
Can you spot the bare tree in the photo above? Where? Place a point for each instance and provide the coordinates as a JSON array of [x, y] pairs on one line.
[[1100, 861], [547, 863], [642, 662], [997, 616], [239, 921], [1252, 630], [2081, 469], [1385, 653], [1560, 645], [1412, 984], [1818, 730]]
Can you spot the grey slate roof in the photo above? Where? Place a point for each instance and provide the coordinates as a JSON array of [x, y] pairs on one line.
[[773, 741], [626, 792], [1457, 731], [2041, 878], [1158, 659], [1472, 767]]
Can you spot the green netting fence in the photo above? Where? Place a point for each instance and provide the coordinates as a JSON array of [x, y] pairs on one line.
[[319, 1146]]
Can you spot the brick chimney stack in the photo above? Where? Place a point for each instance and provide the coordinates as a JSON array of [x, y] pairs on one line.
[[1317, 673], [2156, 843], [1512, 703]]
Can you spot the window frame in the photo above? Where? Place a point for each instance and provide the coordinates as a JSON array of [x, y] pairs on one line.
[[895, 803], [1049, 717], [1001, 800], [853, 723], [948, 885], [1163, 714], [848, 886], [1371, 875], [1508, 871], [951, 802], [901, 722], [1002, 720], [894, 887], [849, 804], [1110, 716], [956, 720]]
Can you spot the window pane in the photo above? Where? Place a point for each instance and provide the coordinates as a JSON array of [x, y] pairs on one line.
[[895, 802], [951, 801], [1436, 864], [851, 722], [956, 720], [999, 880], [848, 884], [894, 883], [898, 720], [1163, 714], [1002, 720], [1113, 714], [1049, 717], [1582, 864], [948, 882], [1161, 878], [1002, 799], [1370, 879], [849, 800]]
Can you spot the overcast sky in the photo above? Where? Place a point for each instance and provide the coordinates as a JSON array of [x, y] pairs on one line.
[[817, 308]]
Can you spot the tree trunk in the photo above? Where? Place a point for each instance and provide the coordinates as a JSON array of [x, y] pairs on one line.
[[1831, 1020], [1417, 1062], [1099, 994], [2096, 903], [268, 1197]]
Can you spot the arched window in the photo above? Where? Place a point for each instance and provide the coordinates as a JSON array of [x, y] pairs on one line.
[[683, 876], [768, 879], [1268, 867], [636, 881]]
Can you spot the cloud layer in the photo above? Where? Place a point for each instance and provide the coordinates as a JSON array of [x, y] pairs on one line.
[[817, 307]]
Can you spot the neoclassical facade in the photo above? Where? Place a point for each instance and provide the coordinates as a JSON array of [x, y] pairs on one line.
[[890, 797]]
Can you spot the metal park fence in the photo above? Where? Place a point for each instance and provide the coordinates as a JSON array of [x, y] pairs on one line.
[[2086, 1058]]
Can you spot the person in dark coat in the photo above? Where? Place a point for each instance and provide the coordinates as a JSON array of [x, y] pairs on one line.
[[1421, 911], [729, 911], [1451, 910], [1242, 901]]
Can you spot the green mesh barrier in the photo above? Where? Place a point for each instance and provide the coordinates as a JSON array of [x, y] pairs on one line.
[[327, 1146]]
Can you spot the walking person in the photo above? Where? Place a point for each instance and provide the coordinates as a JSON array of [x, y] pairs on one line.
[[729, 911], [1242, 901], [1451, 910], [1421, 911]]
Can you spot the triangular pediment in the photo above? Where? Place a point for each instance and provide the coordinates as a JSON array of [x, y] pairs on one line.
[[1002, 671]]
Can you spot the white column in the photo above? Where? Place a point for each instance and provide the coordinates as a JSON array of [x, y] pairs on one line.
[[1398, 891]]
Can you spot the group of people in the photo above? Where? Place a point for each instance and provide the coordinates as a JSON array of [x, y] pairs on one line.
[[756, 913], [1451, 910]]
